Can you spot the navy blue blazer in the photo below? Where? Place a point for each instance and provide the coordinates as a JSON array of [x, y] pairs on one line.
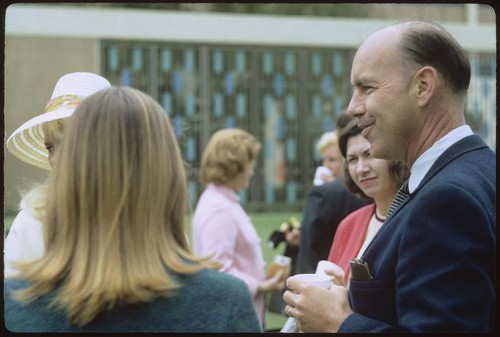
[[432, 262]]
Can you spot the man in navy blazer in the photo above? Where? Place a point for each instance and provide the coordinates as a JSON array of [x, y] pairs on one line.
[[431, 266]]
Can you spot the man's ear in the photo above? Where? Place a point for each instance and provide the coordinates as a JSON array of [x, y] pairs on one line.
[[425, 82]]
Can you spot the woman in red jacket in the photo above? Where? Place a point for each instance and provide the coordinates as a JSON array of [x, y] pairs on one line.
[[370, 178]]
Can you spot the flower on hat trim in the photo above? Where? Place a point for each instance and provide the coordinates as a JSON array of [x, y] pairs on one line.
[[68, 101]]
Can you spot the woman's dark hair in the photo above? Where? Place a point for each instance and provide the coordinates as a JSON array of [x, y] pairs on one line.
[[398, 170]]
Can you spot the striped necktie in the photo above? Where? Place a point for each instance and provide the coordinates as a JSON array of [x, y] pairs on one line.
[[401, 195]]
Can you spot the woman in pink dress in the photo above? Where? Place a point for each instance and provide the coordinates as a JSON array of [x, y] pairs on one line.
[[221, 227]]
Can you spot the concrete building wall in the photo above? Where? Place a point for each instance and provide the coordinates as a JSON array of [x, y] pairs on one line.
[[32, 67]]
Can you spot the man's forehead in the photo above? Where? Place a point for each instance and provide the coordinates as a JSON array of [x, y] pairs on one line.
[[378, 47], [382, 39]]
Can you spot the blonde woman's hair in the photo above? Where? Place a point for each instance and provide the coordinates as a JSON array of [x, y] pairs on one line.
[[114, 229], [227, 154], [327, 139]]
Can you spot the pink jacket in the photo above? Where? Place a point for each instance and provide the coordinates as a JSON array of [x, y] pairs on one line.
[[349, 237], [221, 227]]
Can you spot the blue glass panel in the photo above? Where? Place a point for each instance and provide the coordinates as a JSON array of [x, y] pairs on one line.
[[486, 88], [178, 126], [338, 64], [218, 59], [291, 193], [474, 65], [317, 107], [243, 196], [328, 124], [241, 61], [291, 111], [190, 149], [166, 59], [241, 105], [269, 194], [268, 63], [279, 84], [229, 84], [125, 78], [493, 67], [137, 59], [477, 108], [316, 64], [327, 85], [289, 64], [291, 149], [280, 127], [178, 83], [166, 102], [113, 58], [316, 155], [218, 105], [190, 100], [189, 60], [268, 150], [192, 192], [268, 104], [230, 122], [339, 105]]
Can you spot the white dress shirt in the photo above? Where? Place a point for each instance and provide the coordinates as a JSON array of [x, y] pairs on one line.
[[423, 163]]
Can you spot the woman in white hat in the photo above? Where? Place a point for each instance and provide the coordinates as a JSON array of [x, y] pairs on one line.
[[117, 258], [36, 143]]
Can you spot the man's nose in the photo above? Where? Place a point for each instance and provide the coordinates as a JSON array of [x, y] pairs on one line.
[[355, 107]]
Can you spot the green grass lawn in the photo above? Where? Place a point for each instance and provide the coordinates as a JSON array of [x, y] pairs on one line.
[[265, 223]]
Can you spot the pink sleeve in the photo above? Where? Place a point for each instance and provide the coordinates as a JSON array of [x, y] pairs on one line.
[[218, 236]]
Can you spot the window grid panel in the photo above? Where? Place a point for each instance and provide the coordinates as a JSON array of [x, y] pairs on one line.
[[287, 97]]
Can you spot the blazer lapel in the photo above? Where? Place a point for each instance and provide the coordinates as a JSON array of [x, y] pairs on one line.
[[467, 144]]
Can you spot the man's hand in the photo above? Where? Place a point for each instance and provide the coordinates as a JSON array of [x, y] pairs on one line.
[[316, 309]]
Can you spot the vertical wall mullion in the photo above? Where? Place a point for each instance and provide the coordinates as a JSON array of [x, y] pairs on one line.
[[254, 111], [303, 118], [204, 68], [153, 71]]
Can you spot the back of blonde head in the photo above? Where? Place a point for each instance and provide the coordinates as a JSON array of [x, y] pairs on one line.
[[227, 154], [115, 215], [327, 139]]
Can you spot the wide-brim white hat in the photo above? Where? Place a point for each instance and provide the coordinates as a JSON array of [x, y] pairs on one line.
[[27, 142]]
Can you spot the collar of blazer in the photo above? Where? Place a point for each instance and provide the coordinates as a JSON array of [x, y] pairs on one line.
[[465, 145]]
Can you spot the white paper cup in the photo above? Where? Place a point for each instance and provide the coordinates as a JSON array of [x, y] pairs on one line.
[[319, 280], [320, 171], [324, 265]]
